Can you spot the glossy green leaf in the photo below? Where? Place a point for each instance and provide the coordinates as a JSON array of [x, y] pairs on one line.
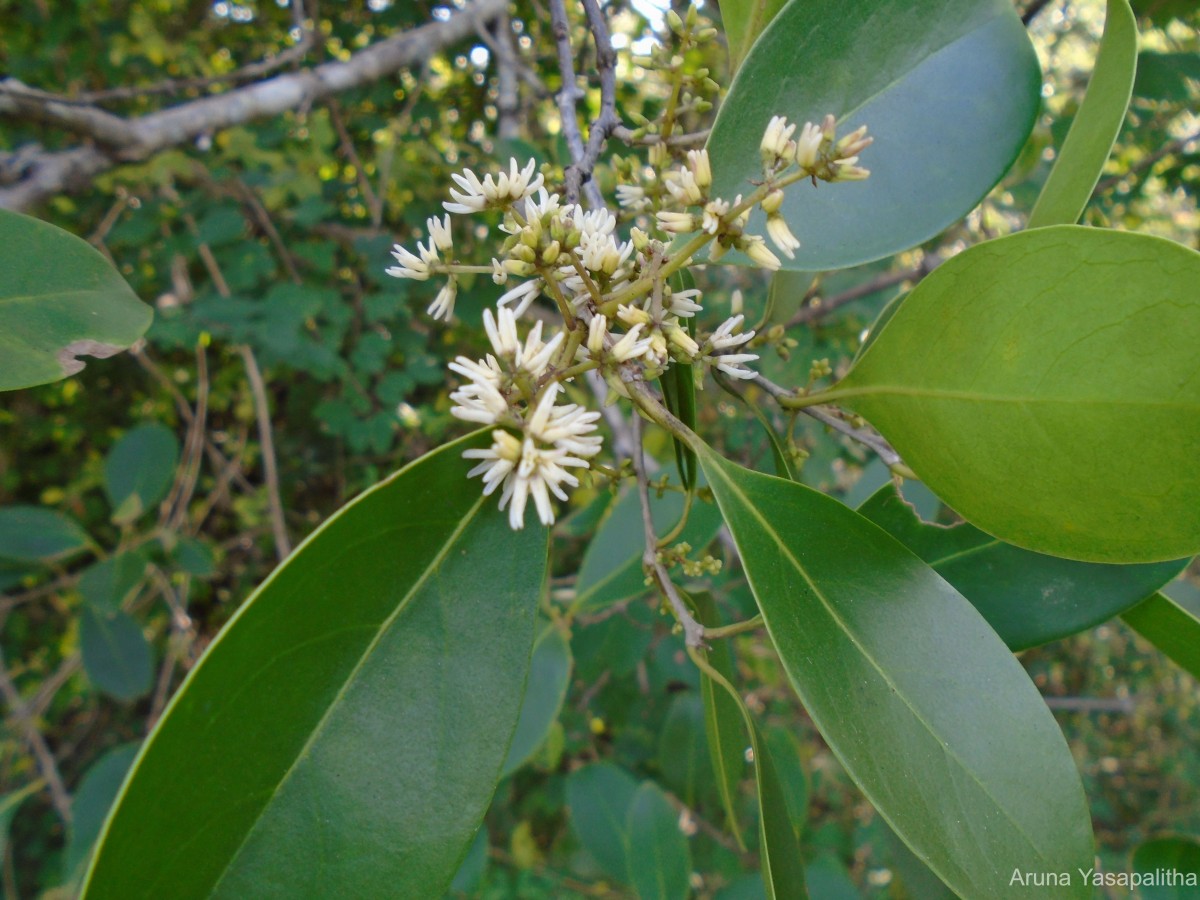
[[60, 300], [723, 724], [949, 88], [678, 386], [659, 860], [1170, 628], [793, 780], [1046, 385], [744, 21], [116, 655], [38, 534], [1166, 76], [466, 879], [890, 662], [683, 750], [916, 880], [139, 470], [778, 839], [545, 691], [612, 566], [1175, 861], [105, 585], [92, 800], [376, 673], [1028, 598], [1096, 125], [599, 797]]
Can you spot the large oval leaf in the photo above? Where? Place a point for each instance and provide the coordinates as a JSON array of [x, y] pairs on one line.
[[60, 299], [549, 678], [744, 21], [949, 88], [345, 732], [891, 663], [1170, 628], [1047, 386], [1096, 125], [1169, 868], [1028, 598], [659, 860]]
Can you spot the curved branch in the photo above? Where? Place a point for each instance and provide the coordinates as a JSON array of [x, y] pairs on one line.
[[119, 140]]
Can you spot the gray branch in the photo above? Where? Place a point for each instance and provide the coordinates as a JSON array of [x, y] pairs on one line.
[[117, 139]]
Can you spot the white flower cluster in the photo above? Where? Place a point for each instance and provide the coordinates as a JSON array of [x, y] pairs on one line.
[[621, 315]]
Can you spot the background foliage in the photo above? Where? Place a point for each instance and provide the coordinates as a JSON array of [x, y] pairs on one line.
[[262, 249]]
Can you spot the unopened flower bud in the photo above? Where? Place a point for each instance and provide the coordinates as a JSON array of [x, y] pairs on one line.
[[551, 253], [772, 202]]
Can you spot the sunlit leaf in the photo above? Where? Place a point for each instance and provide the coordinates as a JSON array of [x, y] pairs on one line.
[[1170, 628]]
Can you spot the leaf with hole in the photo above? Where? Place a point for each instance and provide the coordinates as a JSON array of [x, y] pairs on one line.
[[1046, 385], [890, 662], [949, 88], [377, 672], [60, 301]]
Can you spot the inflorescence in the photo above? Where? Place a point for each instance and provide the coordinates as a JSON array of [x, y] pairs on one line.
[[621, 315]]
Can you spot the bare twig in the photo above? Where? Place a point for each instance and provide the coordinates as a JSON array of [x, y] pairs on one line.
[[685, 139], [1147, 162], [374, 203], [568, 95], [262, 413], [508, 85], [822, 308], [693, 631]]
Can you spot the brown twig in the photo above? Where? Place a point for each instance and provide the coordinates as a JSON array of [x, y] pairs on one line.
[[822, 308], [19, 712], [262, 412]]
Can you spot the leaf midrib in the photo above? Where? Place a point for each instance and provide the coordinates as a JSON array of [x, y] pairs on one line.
[[870, 659], [351, 678], [949, 394]]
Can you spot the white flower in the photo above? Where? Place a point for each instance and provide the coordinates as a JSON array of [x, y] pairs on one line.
[[714, 212], [439, 233], [503, 332], [498, 460], [500, 191], [701, 168], [724, 338], [631, 197], [600, 252], [681, 303], [539, 473], [568, 428], [731, 364], [781, 236], [521, 296], [412, 266], [676, 222], [480, 400], [499, 273], [629, 347], [534, 356], [776, 141], [442, 306], [756, 248], [808, 145], [597, 332], [846, 170], [853, 144], [683, 186]]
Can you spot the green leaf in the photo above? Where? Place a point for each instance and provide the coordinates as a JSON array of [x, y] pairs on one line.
[[1028, 598], [828, 879], [1061, 409], [38, 534], [1170, 628], [91, 803], [744, 21], [377, 673], [659, 861], [778, 838], [890, 662], [139, 470], [779, 457], [105, 584], [60, 299], [599, 797], [116, 655], [1166, 76], [679, 393], [793, 781], [470, 873], [682, 749], [611, 570], [1176, 857], [723, 724], [1096, 125], [950, 89], [545, 691], [9, 804]]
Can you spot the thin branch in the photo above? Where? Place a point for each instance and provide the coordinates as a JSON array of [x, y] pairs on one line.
[[603, 125], [569, 94], [37, 744], [121, 140], [822, 308], [508, 85], [262, 412], [374, 203], [684, 139], [693, 631], [1146, 162]]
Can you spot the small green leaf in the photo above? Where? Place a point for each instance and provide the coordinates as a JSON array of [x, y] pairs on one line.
[[890, 662], [744, 21], [376, 673], [679, 393], [682, 749], [60, 300], [116, 655], [1028, 598], [38, 534], [599, 797], [1170, 628], [793, 780], [105, 584], [91, 803], [1060, 410], [949, 88], [470, 873], [659, 860], [1166, 76], [139, 470], [1178, 856], [828, 879], [1096, 125], [9, 804], [194, 557], [545, 691]]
